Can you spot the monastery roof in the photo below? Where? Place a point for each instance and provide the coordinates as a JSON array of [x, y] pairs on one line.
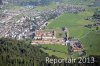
[[42, 33]]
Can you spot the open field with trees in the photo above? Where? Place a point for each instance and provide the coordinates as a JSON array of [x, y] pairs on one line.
[[75, 23]]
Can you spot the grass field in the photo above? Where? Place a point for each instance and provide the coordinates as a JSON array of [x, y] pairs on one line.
[[58, 54], [91, 43], [74, 22], [57, 50]]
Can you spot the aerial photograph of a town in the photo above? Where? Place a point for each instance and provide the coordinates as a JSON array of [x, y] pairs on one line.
[[49, 32]]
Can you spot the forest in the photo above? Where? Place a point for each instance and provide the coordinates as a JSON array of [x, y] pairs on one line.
[[20, 53]]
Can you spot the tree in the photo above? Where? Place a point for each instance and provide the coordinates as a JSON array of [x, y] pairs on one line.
[[97, 14], [97, 28]]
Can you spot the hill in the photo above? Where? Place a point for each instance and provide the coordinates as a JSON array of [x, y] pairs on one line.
[[20, 53]]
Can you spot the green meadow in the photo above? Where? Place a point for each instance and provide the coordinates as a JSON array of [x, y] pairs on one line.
[[57, 50], [74, 22], [91, 43]]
